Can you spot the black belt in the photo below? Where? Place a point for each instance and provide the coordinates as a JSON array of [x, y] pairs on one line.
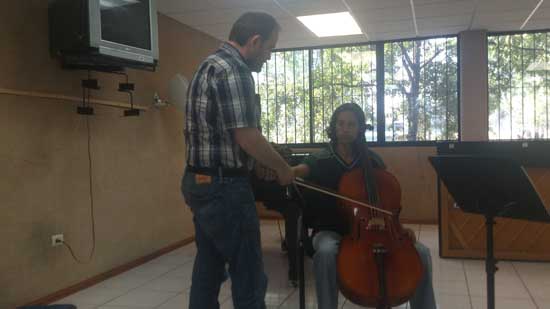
[[219, 171]]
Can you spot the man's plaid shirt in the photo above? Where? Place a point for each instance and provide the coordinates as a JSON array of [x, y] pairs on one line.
[[221, 97]]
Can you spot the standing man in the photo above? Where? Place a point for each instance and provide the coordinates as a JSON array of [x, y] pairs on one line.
[[223, 139]]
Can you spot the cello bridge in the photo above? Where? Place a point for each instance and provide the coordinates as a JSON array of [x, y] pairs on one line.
[[376, 223]]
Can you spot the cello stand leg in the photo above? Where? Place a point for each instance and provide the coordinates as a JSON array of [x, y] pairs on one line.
[[300, 262], [490, 262]]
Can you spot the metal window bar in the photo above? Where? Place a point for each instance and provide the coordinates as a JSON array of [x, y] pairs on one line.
[[446, 90], [351, 71], [361, 53], [267, 97], [404, 106], [276, 104], [426, 121], [436, 96], [285, 96], [341, 76], [288, 111], [393, 84], [311, 97], [294, 91], [332, 91], [498, 83], [534, 91], [511, 89], [374, 86], [522, 91]]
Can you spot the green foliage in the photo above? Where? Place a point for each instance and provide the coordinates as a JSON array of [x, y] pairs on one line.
[[421, 98], [518, 86]]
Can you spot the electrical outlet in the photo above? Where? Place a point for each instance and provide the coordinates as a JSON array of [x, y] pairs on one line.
[[57, 240]]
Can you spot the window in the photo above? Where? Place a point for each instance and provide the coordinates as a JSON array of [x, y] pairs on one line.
[[343, 75], [301, 88], [283, 85], [518, 86], [421, 93]]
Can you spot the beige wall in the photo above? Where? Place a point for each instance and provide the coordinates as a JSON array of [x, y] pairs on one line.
[[417, 178], [137, 162]]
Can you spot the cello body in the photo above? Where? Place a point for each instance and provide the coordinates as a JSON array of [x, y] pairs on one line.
[[378, 265]]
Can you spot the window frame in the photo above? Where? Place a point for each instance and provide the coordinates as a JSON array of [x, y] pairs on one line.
[[509, 33], [380, 85]]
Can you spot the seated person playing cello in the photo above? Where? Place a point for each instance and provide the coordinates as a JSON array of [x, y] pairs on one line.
[[325, 168]]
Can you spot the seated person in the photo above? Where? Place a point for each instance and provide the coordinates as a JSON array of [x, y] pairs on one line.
[[347, 137]]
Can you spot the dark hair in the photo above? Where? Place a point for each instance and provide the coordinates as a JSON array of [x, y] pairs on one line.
[[251, 24], [359, 115]]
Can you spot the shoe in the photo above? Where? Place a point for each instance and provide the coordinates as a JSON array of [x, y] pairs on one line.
[[293, 283], [284, 247]]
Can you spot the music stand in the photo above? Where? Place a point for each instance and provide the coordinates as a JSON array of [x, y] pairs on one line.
[[493, 187]]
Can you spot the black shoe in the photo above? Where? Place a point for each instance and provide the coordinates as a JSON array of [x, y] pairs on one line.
[[293, 283], [284, 247], [293, 277]]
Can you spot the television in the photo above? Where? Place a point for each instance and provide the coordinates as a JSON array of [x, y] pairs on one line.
[[104, 35]]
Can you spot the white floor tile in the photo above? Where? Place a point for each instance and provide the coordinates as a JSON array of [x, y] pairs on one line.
[[446, 301], [543, 303], [503, 303], [125, 282], [164, 283], [142, 298], [95, 295], [180, 301]]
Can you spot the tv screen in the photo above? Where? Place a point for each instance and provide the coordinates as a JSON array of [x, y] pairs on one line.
[[126, 22]]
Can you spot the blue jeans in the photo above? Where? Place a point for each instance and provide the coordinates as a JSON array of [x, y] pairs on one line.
[[326, 245], [227, 231]]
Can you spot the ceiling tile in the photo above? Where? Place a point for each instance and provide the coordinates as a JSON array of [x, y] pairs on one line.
[[311, 7], [425, 24], [217, 16], [365, 5], [444, 9], [181, 6], [383, 15], [381, 19], [506, 5]]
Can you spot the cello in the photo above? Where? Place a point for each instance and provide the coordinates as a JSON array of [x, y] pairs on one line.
[[377, 264]]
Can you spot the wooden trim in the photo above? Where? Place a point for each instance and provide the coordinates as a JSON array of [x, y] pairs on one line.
[[108, 274], [61, 97]]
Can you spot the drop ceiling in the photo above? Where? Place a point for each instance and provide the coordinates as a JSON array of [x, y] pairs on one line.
[[378, 19]]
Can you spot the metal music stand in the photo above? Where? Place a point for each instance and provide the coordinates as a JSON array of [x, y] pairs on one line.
[[492, 187]]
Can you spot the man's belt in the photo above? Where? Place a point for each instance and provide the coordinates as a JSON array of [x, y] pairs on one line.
[[219, 171]]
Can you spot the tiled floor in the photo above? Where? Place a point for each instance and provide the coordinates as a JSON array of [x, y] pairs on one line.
[[164, 282]]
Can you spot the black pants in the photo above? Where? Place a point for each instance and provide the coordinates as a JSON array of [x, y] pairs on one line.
[[274, 198]]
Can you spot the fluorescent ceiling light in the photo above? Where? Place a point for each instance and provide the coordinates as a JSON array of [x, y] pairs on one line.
[[116, 3], [334, 24]]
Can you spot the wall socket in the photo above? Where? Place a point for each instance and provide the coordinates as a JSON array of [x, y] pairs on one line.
[[57, 240]]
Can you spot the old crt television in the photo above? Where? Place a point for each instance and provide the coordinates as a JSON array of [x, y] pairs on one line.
[[104, 34]]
